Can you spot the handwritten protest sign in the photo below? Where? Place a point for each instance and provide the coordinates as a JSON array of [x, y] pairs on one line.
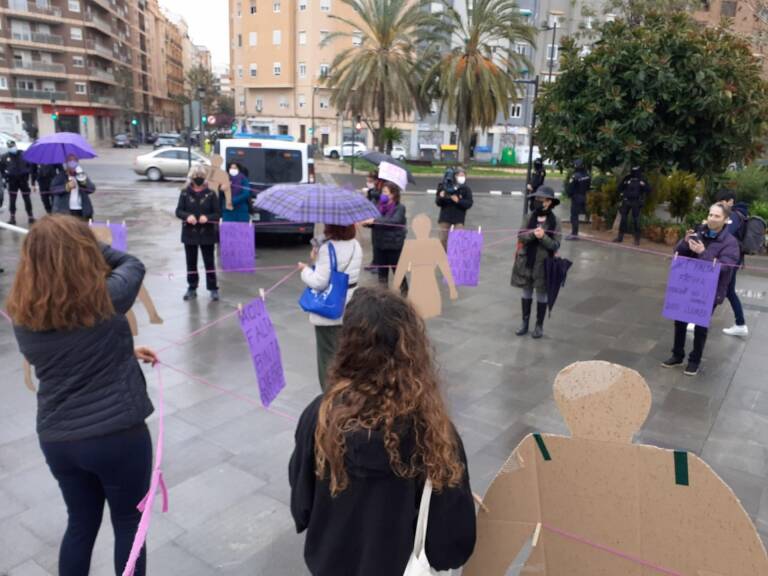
[[393, 174], [119, 236], [265, 351], [238, 250], [691, 290], [465, 250]]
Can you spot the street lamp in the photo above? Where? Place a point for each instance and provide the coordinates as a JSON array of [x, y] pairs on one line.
[[554, 42], [358, 127], [535, 83]]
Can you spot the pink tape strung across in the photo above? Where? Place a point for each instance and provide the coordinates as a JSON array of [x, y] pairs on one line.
[[4, 314], [608, 549], [145, 506], [198, 331], [219, 271], [281, 281]]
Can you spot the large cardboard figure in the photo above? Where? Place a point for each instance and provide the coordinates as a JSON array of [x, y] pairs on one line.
[[595, 504], [218, 179], [420, 256]]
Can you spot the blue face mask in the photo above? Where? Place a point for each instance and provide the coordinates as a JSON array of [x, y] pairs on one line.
[[12, 150], [72, 164]]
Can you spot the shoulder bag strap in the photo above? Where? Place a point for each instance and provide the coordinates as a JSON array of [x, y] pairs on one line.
[[420, 539], [332, 255]]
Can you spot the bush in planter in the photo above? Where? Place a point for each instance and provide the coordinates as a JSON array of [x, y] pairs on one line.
[[759, 208], [696, 216], [681, 188], [750, 184], [658, 184], [603, 200]]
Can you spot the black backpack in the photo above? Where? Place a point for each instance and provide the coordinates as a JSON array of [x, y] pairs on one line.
[[751, 235]]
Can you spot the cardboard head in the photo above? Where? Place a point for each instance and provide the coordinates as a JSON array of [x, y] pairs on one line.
[[217, 161], [103, 234], [602, 401], [422, 226]]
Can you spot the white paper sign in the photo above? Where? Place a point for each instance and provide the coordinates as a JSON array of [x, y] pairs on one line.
[[393, 174]]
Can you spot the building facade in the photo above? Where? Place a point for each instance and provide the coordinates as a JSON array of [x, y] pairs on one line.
[[103, 66]]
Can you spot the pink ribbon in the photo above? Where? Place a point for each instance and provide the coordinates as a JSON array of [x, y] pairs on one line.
[[145, 506]]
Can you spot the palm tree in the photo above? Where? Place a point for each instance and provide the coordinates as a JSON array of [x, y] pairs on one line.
[[380, 76], [475, 80]]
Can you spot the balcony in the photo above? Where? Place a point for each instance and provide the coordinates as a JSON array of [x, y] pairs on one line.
[[32, 8], [37, 38], [108, 100], [100, 48], [36, 66], [100, 74], [99, 23], [39, 95]]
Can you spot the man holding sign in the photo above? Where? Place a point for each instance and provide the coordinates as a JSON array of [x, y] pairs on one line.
[[698, 283]]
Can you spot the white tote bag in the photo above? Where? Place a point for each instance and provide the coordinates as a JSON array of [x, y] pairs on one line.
[[418, 565]]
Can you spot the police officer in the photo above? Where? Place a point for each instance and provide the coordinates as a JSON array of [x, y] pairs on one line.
[[16, 172], [537, 181], [634, 190], [577, 189]]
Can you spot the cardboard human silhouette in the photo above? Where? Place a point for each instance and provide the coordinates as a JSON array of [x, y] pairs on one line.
[[595, 504], [420, 257], [218, 179]]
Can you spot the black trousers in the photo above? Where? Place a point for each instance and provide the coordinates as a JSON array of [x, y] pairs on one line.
[[578, 207], [209, 261], [47, 198], [626, 208], [16, 185], [388, 259], [117, 469], [699, 341]]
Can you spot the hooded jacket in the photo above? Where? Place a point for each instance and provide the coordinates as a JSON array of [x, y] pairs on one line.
[[725, 248], [368, 529]]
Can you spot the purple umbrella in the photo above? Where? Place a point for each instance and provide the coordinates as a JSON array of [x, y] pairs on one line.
[[55, 148], [316, 203]]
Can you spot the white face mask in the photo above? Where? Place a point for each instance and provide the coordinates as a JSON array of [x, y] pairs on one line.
[[460, 180], [234, 172]]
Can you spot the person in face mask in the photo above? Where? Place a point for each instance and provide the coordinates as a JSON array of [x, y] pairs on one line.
[[539, 240], [17, 172], [199, 209], [537, 181], [71, 190], [241, 196], [454, 201], [373, 187], [710, 241], [389, 231]]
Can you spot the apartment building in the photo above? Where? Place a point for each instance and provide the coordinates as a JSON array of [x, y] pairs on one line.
[[104, 66], [745, 22], [203, 57]]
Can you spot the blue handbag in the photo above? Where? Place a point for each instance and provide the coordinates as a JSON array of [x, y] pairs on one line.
[[328, 303]]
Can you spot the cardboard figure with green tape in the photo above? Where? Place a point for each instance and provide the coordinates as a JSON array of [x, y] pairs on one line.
[[595, 504]]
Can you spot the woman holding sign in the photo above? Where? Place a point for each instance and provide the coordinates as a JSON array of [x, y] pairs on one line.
[[711, 242], [68, 305], [365, 450]]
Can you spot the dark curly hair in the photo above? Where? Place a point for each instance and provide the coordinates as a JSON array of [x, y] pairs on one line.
[[383, 378]]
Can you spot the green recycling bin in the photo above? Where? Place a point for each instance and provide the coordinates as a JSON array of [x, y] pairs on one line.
[[508, 157]]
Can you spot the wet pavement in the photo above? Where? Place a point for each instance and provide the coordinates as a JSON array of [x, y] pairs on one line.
[[226, 458]]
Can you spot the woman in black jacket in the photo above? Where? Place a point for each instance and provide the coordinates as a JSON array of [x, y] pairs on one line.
[[454, 199], [68, 305], [365, 449], [200, 211], [389, 232]]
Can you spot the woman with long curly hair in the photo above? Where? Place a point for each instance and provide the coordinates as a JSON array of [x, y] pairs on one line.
[[365, 449], [68, 305]]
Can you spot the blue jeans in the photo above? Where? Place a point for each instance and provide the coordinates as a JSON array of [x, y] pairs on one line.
[[735, 301]]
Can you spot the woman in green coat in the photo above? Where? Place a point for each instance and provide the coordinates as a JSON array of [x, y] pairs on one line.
[[539, 240]]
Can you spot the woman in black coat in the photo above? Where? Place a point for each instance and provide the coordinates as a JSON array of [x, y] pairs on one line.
[[389, 232], [199, 210], [68, 305]]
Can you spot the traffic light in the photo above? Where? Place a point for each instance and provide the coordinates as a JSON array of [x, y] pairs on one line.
[[234, 126], [135, 122], [85, 120], [205, 119], [55, 115], [311, 131]]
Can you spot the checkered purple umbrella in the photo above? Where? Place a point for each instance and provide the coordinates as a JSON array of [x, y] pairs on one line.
[[317, 203]]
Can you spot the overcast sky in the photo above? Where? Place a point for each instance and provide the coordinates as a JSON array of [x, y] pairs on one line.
[[208, 24]]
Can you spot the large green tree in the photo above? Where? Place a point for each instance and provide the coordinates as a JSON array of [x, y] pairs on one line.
[[380, 75], [668, 94], [201, 79], [475, 77]]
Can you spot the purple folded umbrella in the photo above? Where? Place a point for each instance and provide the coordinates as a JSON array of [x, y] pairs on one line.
[[316, 203], [55, 148]]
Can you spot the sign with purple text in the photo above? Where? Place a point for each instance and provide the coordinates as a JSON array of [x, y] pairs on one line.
[[465, 250], [238, 250], [119, 236], [691, 290], [265, 350]]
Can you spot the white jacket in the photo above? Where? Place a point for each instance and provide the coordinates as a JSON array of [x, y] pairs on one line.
[[349, 259]]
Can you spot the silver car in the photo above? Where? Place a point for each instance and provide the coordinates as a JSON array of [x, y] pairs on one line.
[[167, 163]]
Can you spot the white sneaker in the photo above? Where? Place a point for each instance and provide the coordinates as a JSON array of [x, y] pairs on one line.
[[691, 327], [736, 330]]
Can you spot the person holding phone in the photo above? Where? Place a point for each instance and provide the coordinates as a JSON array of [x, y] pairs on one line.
[[712, 242], [72, 191]]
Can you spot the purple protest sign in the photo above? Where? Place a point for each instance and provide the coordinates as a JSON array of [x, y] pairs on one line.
[[691, 290], [238, 250], [119, 236], [265, 351], [465, 250]]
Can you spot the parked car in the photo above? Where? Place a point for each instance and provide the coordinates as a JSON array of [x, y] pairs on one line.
[[347, 149], [164, 140], [124, 141], [167, 163], [151, 137], [399, 153]]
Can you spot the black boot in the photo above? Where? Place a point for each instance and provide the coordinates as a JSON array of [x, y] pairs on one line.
[[619, 239], [541, 312], [527, 302]]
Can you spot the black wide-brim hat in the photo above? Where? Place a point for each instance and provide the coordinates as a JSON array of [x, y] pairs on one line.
[[546, 192]]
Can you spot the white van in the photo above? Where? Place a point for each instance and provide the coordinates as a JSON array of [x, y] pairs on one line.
[[267, 161]]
